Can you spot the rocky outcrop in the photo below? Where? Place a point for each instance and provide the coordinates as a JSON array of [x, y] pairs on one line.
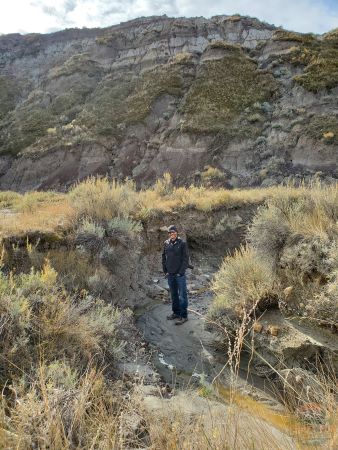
[[163, 94]]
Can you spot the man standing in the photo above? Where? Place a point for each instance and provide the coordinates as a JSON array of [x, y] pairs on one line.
[[175, 261]]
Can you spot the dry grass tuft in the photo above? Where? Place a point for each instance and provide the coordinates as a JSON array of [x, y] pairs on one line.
[[100, 199], [47, 217], [243, 282]]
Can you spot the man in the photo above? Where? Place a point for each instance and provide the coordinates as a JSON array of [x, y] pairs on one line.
[[175, 261]]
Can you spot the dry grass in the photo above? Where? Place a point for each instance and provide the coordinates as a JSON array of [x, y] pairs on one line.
[[310, 213], [62, 409], [212, 173], [164, 197], [100, 199], [243, 282], [47, 217]]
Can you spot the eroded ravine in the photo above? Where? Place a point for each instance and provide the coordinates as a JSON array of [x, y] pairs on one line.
[[192, 356]]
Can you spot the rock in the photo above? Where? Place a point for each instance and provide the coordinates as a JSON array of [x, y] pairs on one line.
[[156, 291], [294, 342], [140, 371]]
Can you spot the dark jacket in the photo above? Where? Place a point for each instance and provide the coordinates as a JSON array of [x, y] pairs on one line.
[[175, 256]]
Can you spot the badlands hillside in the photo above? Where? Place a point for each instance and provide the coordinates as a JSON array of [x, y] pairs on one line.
[[161, 94]]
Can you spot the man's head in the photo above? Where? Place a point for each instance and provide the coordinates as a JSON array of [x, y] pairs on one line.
[[173, 232]]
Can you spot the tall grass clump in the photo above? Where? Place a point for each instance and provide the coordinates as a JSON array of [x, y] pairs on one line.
[[101, 199], [60, 408], [243, 283]]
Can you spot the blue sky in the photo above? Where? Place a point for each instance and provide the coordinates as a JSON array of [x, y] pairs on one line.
[[43, 16]]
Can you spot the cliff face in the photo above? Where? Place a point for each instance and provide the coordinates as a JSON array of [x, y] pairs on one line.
[[160, 94]]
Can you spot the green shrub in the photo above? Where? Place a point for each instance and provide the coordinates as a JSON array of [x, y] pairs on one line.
[[8, 199], [323, 128], [212, 174], [164, 186], [79, 63], [284, 35], [222, 89], [319, 57], [119, 101], [123, 226], [41, 320], [92, 228]]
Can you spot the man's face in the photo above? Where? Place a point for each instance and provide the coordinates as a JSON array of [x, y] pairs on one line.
[[173, 235]]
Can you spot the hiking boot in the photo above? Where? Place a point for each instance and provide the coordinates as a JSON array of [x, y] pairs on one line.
[[181, 320], [173, 316]]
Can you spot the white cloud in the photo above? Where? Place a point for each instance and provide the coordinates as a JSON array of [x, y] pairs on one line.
[[45, 15], [300, 15]]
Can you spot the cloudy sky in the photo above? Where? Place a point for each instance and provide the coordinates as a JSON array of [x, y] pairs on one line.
[[43, 16]]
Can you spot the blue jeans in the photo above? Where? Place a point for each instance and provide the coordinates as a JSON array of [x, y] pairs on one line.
[[178, 292]]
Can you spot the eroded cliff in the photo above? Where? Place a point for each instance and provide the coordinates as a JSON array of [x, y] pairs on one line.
[[162, 94]]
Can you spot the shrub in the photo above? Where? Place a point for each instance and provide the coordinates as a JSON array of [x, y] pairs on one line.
[[244, 283], [164, 186], [222, 90], [90, 235], [60, 409], [111, 257], [289, 215], [182, 58], [124, 226], [9, 94], [211, 174], [317, 56], [74, 267], [268, 233], [8, 199], [323, 307], [102, 283], [41, 320], [91, 228], [309, 258]]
